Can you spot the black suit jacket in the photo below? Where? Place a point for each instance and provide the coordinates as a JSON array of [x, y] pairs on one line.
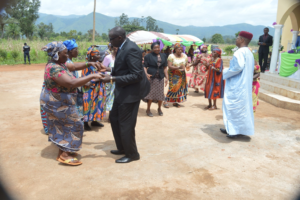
[[132, 84], [268, 41], [150, 62]]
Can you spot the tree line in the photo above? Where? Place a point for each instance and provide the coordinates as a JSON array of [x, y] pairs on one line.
[[147, 24]]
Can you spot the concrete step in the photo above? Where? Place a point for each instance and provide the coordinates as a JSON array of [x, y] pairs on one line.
[[284, 81], [278, 100], [282, 90]]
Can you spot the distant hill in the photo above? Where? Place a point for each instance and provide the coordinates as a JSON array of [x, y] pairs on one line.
[[85, 22]]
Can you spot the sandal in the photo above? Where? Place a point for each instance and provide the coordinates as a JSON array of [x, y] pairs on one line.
[[207, 107], [149, 114], [160, 113], [166, 105], [196, 91], [176, 105], [213, 108], [60, 152], [69, 161]]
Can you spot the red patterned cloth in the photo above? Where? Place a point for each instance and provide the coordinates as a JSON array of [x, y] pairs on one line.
[[198, 77]]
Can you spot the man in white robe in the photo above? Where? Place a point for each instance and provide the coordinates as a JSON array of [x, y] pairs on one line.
[[237, 103]]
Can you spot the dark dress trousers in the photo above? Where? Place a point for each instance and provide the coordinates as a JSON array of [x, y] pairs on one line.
[[132, 85], [264, 51], [150, 61]]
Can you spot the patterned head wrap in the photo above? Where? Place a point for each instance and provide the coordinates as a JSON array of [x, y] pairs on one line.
[[70, 44], [203, 46], [53, 48], [92, 52], [177, 45], [218, 51]]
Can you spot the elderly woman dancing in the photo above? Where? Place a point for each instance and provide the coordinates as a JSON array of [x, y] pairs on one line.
[[197, 80], [58, 100], [178, 88]]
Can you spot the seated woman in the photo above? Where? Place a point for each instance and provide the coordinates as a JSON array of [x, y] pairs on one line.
[[255, 86], [156, 70], [58, 100], [94, 96], [214, 86]]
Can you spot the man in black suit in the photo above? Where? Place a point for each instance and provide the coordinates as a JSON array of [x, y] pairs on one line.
[[131, 86], [265, 41]]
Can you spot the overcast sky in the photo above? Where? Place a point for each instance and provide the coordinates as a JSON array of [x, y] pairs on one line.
[[184, 12]]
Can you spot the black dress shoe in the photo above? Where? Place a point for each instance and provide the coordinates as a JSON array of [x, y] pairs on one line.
[[95, 123], [231, 136], [223, 130], [87, 127], [127, 160], [117, 152]]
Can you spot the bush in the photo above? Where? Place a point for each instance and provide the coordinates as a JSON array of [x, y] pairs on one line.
[[15, 54], [3, 54], [228, 49]]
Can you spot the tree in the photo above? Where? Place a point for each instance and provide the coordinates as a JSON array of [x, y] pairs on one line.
[[89, 35], [13, 31], [142, 21], [94, 20], [237, 34], [204, 39], [42, 29], [161, 30], [124, 20], [26, 12], [73, 34], [150, 23], [105, 37], [131, 28], [4, 16], [217, 38]]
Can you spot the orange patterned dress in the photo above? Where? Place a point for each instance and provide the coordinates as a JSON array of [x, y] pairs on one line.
[[199, 73], [214, 87]]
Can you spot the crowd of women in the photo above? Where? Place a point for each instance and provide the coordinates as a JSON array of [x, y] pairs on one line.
[[71, 103]]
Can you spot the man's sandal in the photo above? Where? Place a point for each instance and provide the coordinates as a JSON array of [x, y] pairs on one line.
[[69, 161]]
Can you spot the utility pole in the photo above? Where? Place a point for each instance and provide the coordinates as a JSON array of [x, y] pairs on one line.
[[94, 20], [177, 30]]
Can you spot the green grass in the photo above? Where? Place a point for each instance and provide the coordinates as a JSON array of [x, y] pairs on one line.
[[36, 54]]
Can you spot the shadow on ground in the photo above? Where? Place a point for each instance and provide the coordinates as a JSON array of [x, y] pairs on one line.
[[51, 151], [213, 130]]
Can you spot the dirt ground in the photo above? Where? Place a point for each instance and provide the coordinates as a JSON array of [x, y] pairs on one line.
[[183, 153]]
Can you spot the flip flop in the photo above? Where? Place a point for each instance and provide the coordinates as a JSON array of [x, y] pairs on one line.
[[72, 154], [196, 91], [166, 105], [213, 108], [69, 161], [176, 105]]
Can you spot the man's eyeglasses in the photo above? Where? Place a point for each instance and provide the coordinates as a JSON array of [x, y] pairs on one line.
[[110, 39]]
